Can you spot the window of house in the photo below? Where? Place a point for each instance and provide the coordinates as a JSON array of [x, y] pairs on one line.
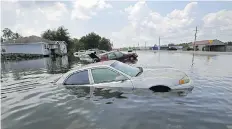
[[102, 75], [79, 78]]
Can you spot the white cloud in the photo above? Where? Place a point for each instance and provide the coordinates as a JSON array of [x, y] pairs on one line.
[[144, 24], [147, 25], [55, 12], [33, 19], [221, 18], [217, 25], [85, 9]]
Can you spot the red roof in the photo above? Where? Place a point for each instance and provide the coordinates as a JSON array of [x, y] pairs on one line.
[[202, 42]]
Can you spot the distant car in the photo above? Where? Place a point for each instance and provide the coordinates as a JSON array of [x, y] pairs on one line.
[[109, 74], [172, 49], [130, 50], [79, 53], [117, 55]]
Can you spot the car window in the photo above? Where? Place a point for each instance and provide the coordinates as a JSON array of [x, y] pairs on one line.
[[101, 75], [111, 56], [118, 54], [125, 68], [79, 78]]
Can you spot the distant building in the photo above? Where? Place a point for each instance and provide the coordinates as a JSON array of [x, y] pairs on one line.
[[210, 45], [143, 48], [164, 47], [34, 45]]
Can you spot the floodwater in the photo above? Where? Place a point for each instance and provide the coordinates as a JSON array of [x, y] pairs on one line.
[[30, 101]]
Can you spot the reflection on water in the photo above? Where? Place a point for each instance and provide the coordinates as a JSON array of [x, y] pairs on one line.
[[51, 65], [30, 100]]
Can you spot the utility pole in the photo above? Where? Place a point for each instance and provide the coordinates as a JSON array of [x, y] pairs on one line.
[[159, 42], [145, 46], [195, 37]]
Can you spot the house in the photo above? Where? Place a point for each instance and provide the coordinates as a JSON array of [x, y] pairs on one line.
[[34, 45], [210, 45]]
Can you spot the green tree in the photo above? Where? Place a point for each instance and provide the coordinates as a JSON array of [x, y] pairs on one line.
[[7, 34], [78, 45], [90, 41], [60, 34], [49, 34], [16, 36], [105, 44], [229, 43]]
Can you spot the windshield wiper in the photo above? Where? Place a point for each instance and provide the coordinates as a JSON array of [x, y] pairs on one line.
[[140, 71]]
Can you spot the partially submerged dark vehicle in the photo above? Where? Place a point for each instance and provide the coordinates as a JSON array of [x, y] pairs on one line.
[[172, 49], [117, 55]]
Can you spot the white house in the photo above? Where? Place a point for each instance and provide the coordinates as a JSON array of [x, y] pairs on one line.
[[34, 45]]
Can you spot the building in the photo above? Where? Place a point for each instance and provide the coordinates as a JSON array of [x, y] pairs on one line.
[[34, 45], [143, 48], [210, 45], [164, 47]]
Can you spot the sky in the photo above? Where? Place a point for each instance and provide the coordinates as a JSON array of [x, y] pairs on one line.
[[125, 23]]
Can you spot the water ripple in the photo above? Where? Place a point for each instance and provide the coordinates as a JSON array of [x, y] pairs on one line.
[[31, 101]]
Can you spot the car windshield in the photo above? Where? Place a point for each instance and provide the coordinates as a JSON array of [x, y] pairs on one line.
[[125, 68]]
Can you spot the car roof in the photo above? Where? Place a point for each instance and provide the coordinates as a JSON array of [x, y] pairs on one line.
[[104, 63], [107, 52]]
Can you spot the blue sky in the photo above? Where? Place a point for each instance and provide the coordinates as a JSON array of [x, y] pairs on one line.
[[125, 23]]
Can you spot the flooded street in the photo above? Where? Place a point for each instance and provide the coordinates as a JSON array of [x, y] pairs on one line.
[[30, 101]]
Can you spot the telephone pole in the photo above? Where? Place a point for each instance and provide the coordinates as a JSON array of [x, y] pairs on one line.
[[159, 42], [145, 45], [195, 37]]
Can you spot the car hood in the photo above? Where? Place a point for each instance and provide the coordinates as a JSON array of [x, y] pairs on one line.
[[158, 76], [162, 72]]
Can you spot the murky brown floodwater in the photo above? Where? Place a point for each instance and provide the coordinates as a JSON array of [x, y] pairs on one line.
[[30, 101]]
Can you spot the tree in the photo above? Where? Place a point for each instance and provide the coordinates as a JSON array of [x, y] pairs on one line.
[[105, 44], [78, 45], [90, 41], [16, 36], [229, 43], [49, 34], [60, 34], [7, 34]]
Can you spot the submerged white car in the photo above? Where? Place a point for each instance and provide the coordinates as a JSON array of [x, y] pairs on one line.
[[117, 74]]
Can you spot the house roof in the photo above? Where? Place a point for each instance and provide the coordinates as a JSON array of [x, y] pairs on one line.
[[30, 39], [209, 42]]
